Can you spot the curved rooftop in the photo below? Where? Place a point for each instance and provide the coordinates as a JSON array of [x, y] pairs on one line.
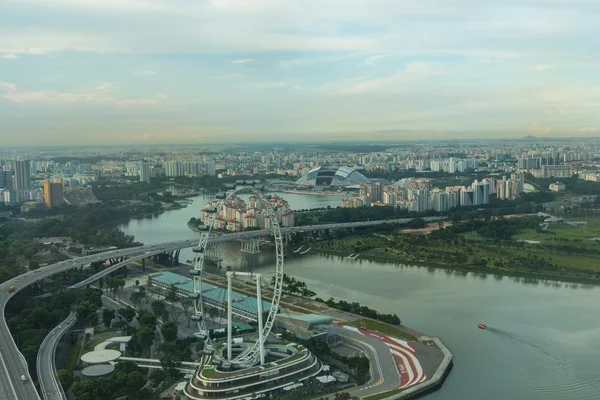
[[94, 371], [332, 175], [100, 357]]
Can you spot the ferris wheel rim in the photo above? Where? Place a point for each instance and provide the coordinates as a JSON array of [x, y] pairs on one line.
[[250, 353]]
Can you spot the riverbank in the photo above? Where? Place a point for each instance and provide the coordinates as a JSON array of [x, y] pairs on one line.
[[192, 227], [500, 272], [308, 192]]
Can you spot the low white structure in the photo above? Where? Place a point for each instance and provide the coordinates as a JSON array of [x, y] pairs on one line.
[[557, 187], [100, 357]]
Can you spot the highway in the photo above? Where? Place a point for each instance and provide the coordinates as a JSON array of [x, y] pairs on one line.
[[12, 362], [46, 366]]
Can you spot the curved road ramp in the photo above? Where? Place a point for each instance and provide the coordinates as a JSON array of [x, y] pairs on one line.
[[50, 386]]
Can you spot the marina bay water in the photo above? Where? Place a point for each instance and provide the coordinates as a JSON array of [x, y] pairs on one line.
[[543, 340]]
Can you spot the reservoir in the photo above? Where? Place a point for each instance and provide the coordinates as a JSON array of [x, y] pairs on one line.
[[543, 341]]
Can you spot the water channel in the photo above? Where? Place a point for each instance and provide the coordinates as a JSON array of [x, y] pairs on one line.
[[544, 337]]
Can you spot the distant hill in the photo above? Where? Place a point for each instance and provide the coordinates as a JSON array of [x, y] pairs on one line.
[[529, 137]]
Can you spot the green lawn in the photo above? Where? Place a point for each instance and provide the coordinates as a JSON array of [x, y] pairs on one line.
[[89, 346], [384, 328], [71, 358]]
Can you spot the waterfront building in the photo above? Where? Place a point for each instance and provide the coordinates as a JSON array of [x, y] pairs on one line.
[[174, 169], [332, 175], [236, 215]]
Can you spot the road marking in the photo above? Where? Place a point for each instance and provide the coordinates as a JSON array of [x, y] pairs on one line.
[[8, 376], [376, 357]]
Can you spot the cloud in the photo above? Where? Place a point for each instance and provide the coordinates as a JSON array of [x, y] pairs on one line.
[[356, 78], [588, 129], [103, 86], [146, 136], [242, 61], [542, 67], [411, 72], [265, 85], [372, 61], [146, 72], [234, 75], [8, 56], [8, 85], [96, 95]]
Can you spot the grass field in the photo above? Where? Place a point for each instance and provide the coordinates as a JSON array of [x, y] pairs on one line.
[[584, 232], [71, 358], [89, 346], [383, 328]]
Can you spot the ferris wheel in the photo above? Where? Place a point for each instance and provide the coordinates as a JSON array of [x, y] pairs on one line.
[[253, 353]]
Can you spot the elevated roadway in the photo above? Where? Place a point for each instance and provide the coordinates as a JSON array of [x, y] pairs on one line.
[[46, 367], [12, 362]]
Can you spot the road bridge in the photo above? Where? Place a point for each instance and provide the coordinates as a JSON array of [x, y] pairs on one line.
[[12, 363], [50, 386]]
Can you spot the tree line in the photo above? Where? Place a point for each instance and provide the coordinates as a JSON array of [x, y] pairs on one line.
[[364, 311]]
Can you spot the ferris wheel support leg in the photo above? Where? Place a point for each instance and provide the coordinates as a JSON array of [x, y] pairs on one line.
[[259, 310], [229, 317]]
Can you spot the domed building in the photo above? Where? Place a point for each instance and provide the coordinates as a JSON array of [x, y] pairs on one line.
[[332, 175]]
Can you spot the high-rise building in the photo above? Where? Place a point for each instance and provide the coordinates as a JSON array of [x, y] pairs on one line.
[[22, 175], [481, 193], [145, 173], [5, 179], [211, 168], [53, 193], [466, 197], [174, 168], [376, 194]]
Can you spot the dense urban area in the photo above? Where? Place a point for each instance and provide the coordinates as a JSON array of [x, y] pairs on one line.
[[523, 208]]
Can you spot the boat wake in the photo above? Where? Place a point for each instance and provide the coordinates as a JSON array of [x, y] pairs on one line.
[[522, 340]]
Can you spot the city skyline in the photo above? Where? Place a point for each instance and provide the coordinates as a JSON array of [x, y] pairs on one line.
[[220, 71]]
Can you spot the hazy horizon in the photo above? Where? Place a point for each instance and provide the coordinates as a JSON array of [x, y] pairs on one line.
[[135, 72]]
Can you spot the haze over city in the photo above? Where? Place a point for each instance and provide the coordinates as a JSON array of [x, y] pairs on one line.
[[76, 72]]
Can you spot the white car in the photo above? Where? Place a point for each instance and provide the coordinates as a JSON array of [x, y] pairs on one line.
[[23, 378]]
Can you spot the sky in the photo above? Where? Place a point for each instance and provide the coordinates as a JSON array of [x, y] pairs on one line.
[[206, 71]]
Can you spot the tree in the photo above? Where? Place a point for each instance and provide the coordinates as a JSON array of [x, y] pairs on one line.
[[158, 308], [170, 359], [172, 297], [107, 316], [128, 313], [136, 298], [157, 376], [86, 312], [186, 303], [145, 336], [169, 331], [33, 265], [342, 396], [66, 378], [171, 294]]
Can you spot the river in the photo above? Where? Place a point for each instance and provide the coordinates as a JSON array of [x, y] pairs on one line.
[[543, 341]]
